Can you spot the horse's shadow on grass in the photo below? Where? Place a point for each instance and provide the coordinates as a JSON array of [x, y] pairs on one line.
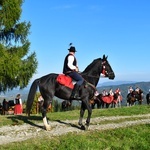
[[20, 119], [69, 124]]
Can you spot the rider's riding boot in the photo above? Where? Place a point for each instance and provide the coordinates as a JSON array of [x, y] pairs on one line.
[[75, 93]]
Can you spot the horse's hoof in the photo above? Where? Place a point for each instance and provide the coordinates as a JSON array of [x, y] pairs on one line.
[[86, 127], [48, 128], [83, 127], [80, 124]]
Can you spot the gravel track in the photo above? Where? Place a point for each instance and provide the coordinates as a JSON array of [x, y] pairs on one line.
[[23, 132]]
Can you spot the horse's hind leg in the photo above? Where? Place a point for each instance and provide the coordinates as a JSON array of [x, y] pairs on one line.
[[44, 112]]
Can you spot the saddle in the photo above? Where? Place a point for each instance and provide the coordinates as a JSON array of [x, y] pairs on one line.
[[65, 81]]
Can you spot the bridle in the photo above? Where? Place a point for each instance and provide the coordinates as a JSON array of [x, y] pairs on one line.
[[104, 71]]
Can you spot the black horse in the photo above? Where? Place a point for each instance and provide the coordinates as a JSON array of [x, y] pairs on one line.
[[135, 96], [65, 105], [5, 107], [148, 98], [49, 87], [139, 96], [96, 101]]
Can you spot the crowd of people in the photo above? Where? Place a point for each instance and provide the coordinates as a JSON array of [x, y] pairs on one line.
[[17, 106], [118, 91], [133, 96], [131, 89], [111, 92]]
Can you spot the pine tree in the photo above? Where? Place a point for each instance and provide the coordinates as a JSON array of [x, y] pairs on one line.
[[17, 66]]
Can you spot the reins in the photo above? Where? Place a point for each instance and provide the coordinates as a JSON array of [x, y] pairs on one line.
[[91, 85], [93, 76]]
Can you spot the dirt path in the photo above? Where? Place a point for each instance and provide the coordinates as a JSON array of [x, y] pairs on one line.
[[10, 134]]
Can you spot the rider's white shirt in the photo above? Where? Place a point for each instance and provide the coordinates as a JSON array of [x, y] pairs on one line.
[[70, 62]]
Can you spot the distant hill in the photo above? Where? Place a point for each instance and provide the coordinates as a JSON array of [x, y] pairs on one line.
[[116, 83]]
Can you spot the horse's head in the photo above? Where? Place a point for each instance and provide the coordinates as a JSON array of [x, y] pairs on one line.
[[106, 68], [99, 66]]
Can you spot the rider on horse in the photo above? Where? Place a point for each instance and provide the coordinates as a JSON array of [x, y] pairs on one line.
[[71, 69], [130, 90]]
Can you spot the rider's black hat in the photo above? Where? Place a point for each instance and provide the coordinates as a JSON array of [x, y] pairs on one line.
[[72, 49]]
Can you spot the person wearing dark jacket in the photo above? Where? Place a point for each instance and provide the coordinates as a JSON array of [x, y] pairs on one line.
[[71, 69]]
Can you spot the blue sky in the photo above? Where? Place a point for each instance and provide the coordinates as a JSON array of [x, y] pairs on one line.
[[117, 28]]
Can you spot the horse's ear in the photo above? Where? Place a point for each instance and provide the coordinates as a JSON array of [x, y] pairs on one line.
[[105, 57]]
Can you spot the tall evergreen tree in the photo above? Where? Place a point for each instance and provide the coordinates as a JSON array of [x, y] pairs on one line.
[[17, 66]]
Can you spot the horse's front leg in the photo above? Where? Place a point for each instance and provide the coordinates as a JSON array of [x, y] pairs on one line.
[[85, 105], [44, 111], [89, 115], [82, 110]]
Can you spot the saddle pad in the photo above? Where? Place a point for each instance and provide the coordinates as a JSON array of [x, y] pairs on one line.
[[65, 80]]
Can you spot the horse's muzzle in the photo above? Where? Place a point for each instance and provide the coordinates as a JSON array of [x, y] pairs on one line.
[[111, 75]]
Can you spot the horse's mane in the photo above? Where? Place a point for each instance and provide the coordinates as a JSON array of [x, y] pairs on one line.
[[91, 66]]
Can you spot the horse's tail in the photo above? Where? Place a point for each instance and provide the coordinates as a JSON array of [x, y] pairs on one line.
[[31, 96]]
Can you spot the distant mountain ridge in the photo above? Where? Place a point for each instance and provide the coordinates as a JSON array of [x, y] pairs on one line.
[[123, 85], [116, 83], [10, 95]]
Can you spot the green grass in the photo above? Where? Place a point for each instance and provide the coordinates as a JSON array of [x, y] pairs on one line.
[[70, 115], [135, 138], [130, 138]]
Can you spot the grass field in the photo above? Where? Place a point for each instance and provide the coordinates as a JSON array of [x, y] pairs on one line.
[[135, 137]]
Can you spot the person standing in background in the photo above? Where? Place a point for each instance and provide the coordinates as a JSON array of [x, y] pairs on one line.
[[18, 105], [130, 90], [5, 107], [111, 93], [40, 103], [104, 93]]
